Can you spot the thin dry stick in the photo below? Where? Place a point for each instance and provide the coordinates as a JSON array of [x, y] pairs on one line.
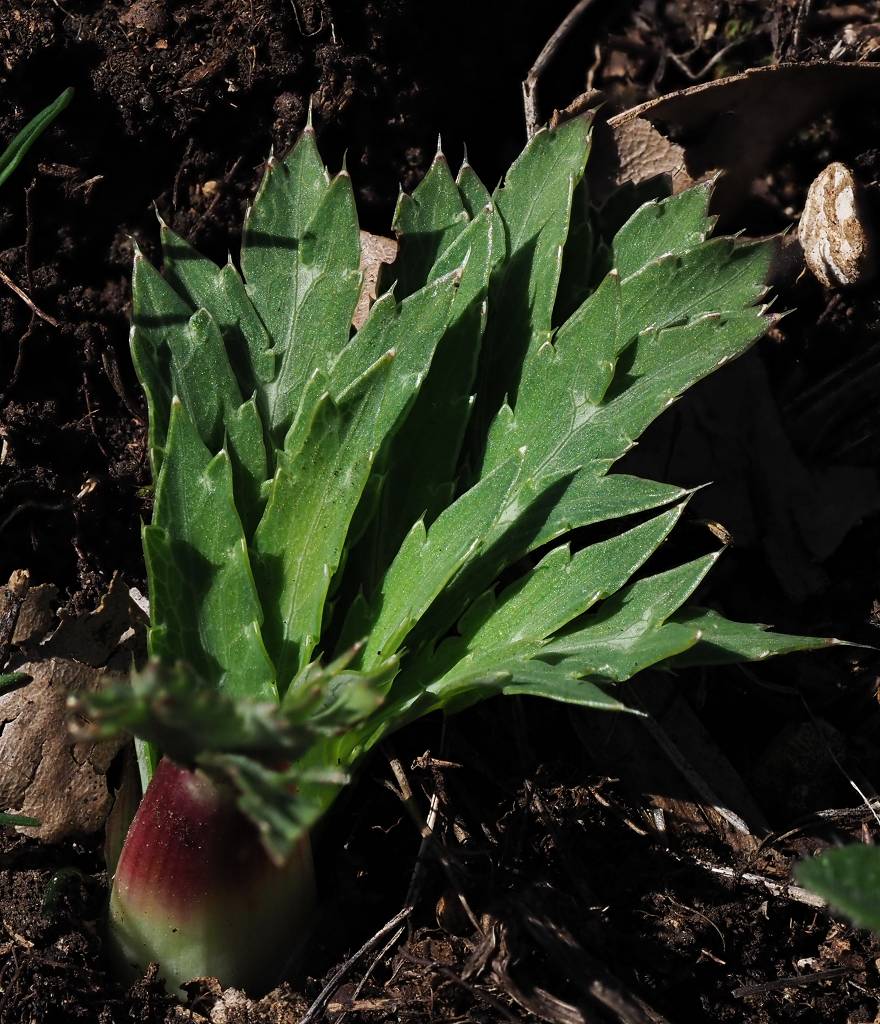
[[27, 300], [426, 831], [789, 892], [530, 85], [695, 76], [323, 996], [791, 982], [804, 10], [377, 959]]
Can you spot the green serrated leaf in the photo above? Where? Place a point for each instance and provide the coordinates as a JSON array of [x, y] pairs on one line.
[[849, 879], [536, 678], [158, 315], [578, 256], [597, 413], [474, 194], [563, 586], [567, 505], [638, 608], [289, 196], [299, 543], [534, 203], [723, 642], [621, 656], [221, 292], [628, 632], [426, 223], [300, 258], [327, 285], [428, 560], [419, 467], [659, 228], [203, 602]]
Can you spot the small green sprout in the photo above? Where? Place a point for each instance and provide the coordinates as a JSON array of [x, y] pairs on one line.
[[16, 151]]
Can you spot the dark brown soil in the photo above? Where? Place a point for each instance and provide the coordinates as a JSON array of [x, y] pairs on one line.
[[573, 879]]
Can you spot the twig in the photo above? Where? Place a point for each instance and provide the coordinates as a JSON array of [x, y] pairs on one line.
[[360, 1006], [175, 188], [27, 300], [19, 362], [788, 892], [837, 816], [530, 85], [426, 831], [323, 996], [696, 76], [588, 973], [791, 982], [353, 1004], [804, 10]]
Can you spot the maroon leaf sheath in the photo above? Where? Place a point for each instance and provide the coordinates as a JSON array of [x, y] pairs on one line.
[[196, 891]]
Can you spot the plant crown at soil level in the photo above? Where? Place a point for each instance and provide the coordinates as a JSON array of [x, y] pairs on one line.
[[334, 509]]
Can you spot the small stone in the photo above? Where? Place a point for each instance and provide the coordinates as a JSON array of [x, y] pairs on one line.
[[833, 231]]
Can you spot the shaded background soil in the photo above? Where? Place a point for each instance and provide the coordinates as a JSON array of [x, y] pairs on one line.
[[547, 828]]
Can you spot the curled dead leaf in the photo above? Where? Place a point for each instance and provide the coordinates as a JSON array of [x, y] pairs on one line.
[[735, 124]]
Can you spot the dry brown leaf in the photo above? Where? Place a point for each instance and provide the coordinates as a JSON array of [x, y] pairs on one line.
[[43, 773], [375, 250], [100, 636], [37, 615], [734, 124]]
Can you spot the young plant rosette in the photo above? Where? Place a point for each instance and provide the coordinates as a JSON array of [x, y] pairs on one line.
[[333, 508]]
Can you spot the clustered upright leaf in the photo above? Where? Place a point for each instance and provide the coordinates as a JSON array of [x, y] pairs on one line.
[[318, 489]]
